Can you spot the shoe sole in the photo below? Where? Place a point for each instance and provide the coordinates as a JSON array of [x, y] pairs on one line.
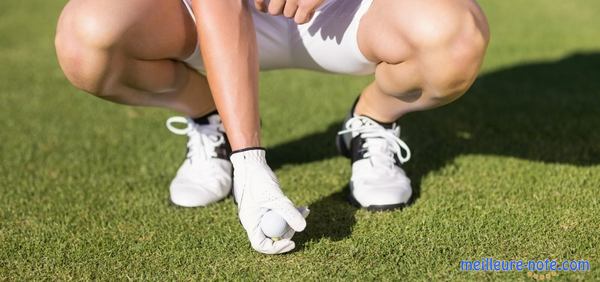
[[373, 208]]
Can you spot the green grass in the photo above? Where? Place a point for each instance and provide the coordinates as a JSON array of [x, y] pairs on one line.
[[511, 171]]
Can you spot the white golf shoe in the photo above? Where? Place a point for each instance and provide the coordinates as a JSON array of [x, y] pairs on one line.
[[205, 175], [378, 182]]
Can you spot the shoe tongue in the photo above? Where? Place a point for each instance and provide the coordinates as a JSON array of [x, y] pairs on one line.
[[379, 151], [378, 144], [214, 119]]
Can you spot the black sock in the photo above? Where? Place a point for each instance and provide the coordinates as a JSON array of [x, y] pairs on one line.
[[386, 125], [204, 119]]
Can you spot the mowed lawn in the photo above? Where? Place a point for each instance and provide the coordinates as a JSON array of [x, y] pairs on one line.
[[510, 171]]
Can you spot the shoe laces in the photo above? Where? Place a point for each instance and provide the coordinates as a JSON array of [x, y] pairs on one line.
[[381, 144], [204, 139]]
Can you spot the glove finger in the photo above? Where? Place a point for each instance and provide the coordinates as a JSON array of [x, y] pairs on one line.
[[284, 246], [290, 233], [290, 214], [265, 245], [304, 211], [250, 219], [270, 247]]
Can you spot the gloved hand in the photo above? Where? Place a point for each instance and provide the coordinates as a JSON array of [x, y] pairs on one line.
[[256, 191]]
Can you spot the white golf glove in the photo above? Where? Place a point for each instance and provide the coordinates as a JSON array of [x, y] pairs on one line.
[[256, 191]]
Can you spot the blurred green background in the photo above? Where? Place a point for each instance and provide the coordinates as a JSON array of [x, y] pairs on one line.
[[510, 171]]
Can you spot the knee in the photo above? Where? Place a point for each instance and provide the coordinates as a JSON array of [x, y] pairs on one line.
[[443, 42], [450, 48], [85, 43]]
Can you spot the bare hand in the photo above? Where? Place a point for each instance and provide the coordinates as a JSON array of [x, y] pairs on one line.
[[299, 10]]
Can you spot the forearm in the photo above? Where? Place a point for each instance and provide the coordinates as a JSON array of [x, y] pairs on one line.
[[228, 44]]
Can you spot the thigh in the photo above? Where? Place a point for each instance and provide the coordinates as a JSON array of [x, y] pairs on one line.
[[146, 30]]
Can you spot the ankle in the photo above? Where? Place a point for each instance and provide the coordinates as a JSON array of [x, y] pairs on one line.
[[361, 107]]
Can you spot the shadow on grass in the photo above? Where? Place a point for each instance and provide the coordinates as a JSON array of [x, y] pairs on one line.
[[314, 147], [547, 112], [339, 217]]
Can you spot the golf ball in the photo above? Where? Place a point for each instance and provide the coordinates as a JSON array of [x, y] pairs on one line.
[[273, 225]]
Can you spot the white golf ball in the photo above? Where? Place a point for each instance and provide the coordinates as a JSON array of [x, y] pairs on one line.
[[273, 225]]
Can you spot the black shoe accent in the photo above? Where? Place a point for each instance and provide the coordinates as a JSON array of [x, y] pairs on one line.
[[248, 149], [204, 119], [223, 151], [346, 148], [356, 148]]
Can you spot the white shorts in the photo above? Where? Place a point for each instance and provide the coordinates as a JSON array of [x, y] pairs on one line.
[[327, 43]]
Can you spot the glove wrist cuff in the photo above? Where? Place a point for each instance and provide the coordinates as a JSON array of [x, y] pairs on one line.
[[253, 154]]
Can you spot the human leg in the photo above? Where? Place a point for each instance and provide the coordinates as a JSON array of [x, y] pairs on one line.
[[131, 52], [427, 55]]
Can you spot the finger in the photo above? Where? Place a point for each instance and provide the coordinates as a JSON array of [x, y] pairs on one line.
[[290, 9], [276, 7], [290, 233], [304, 211], [283, 246], [271, 247], [251, 218], [260, 5], [290, 214], [302, 16], [267, 246]]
